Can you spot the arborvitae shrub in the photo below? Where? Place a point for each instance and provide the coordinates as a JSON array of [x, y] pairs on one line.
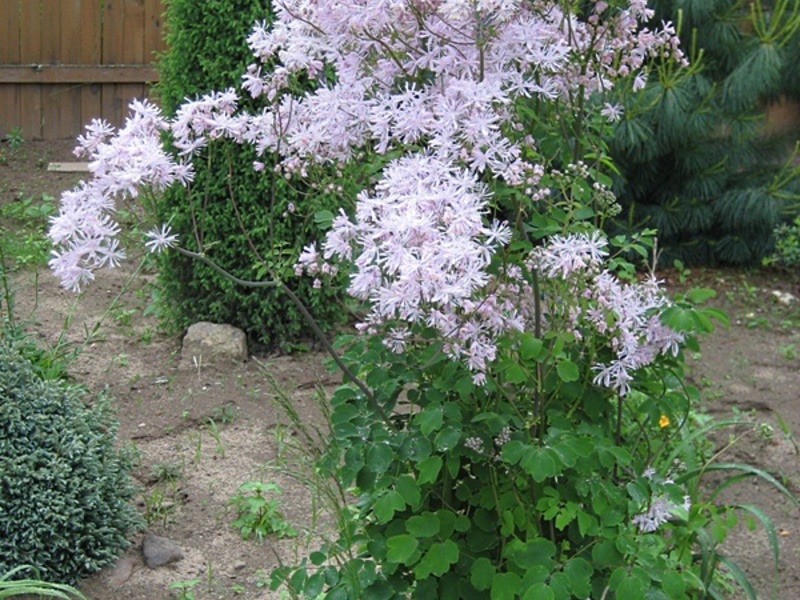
[[252, 224], [695, 162], [65, 490]]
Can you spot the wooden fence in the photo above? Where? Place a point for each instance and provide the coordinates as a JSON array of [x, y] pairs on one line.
[[65, 62]]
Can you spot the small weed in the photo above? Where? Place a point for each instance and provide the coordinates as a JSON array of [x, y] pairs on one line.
[[237, 590], [185, 589], [14, 139], [226, 414], [123, 316], [29, 246], [121, 360], [147, 335], [165, 473], [262, 578], [257, 515], [683, 272], [789, 352], [158, 508], [213, 429]]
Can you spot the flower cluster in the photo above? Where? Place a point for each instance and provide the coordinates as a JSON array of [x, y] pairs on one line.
[[122, 165], [625, 314], [421, 252], [443, 73], [660, 509], [441, 81]]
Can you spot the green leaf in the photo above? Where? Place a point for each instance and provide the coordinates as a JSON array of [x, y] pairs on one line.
[[379, 457], [567, 371], [447, 439], [514, 374], [400, 548], [323, 219], [539, 464], [674, 585], [424, 525], [587, 524], [513, 451], [387, 505], [678, 318], [539, 591], [430, 419], [409, 489], [579, 572], [482, 574], [530, 347], [437, 560], [429, 469], [700, 295], [539, 551], [505, 586], [630, 588]]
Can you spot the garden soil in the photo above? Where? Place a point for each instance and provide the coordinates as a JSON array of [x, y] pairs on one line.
[[199, 431]]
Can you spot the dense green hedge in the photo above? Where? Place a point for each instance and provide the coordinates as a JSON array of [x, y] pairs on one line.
[[208, 51], [695, 163], [65, 489]]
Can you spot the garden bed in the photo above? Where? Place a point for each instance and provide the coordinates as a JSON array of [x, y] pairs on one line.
[[200, 433]]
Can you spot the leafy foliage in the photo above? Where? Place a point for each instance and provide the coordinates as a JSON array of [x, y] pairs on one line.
[[64, 487], [253, 224], [787, 245], [694, 159], [257, 515], [13, 588]]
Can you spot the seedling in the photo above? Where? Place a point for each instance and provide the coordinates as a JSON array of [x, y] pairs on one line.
[[258, 515], [185, 589]]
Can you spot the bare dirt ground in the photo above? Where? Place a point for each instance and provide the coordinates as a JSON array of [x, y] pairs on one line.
[[199, 433]]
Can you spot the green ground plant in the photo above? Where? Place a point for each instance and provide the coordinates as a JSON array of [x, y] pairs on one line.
[[65, 487], [11, 586], [258, 514]]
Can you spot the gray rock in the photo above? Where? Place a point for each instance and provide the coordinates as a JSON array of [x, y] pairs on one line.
[[211, 344], [159, 551]]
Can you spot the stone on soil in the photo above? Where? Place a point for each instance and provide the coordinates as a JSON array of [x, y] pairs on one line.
[[159, 551], [212, 344]]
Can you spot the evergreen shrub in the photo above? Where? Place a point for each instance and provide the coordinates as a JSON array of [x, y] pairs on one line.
[[208, 51], [695, 161], [64, 488]]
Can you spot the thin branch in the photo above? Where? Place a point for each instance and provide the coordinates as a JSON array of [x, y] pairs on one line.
[[276, 283]]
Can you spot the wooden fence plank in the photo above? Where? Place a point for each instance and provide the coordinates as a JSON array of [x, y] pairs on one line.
[[61, 103], [10, 102], [133, 48], [154, 42], [91, 54], [30, 47], [77, 73], [64, 62], [113, 52], [70, 53]]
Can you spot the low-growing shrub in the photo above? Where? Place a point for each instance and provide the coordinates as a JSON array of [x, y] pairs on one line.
[[64, 487]]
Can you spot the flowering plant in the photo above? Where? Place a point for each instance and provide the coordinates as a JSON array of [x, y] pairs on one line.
[[507, 423]]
